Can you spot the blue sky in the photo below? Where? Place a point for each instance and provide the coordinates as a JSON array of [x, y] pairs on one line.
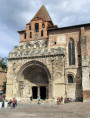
[[15, 14]]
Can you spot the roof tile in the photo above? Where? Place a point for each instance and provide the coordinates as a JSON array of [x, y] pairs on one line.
[[43, 14]]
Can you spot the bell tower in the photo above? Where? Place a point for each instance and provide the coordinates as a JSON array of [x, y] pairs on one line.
[[37, 28]]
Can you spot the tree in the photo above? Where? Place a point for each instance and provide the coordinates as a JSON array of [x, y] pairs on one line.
[[3, 63], [3, 66]]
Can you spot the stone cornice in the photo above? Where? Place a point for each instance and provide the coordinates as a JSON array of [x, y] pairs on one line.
[[25, 51], [36, 53], [33, 57]]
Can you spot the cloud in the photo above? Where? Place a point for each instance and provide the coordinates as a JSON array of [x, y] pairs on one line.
[[71, 10], [14, 14]]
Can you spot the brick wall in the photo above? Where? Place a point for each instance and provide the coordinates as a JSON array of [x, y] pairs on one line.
[[32, 30], [61, 39]]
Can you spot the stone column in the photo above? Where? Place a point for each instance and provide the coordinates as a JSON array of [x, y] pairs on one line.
[[51, 82], [30, 89], [85, 68], [47, 93], [51, 90], [38, 91]]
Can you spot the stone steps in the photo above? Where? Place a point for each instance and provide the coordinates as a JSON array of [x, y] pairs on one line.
[[35, 101]]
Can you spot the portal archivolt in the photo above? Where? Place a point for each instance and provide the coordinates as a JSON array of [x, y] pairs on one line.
[[33, 79]]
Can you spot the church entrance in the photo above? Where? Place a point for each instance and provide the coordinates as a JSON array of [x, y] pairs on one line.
[[34, 92], [43, 92], [39, 91], [35, 77]]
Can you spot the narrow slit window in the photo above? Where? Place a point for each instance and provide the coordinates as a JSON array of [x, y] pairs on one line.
[[36, 27], [55, 43], [30, 28], [42, 33], [30, 34], [43, 25], [25, 35]]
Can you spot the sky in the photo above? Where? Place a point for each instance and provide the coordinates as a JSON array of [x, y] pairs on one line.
[[15, 14]]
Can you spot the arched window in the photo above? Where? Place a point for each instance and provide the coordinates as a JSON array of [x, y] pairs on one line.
[[30, 27], [71, 52], [36, 27], [30, 34], [42, 33], [70, 79], [43, 25], [24, 35]]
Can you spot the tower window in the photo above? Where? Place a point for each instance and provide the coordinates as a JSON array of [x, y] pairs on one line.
[[36, 27], [30, 28], [24, 35], [42, 33], [43, 25], [55, 43], [71, 52], [70, 79], [30, 34]]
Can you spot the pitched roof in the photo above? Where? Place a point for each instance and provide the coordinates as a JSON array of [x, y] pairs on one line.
[[43, 14], [70, 27]]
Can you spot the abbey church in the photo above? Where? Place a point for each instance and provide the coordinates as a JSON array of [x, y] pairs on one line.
[[50, 62]]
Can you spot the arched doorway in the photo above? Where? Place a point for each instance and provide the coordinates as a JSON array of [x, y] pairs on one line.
[[33, 80]]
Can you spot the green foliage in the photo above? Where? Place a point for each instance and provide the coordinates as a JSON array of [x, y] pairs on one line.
[[3, 63], [1, 100]]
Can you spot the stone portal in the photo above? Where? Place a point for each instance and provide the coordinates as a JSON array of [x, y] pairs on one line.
[[39, 91], [34, 81]]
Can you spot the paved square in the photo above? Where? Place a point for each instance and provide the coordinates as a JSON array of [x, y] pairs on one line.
[[71, 110]]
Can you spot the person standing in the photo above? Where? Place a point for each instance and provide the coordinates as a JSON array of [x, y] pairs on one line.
[[61, 99], [38, 99], [31, 99]]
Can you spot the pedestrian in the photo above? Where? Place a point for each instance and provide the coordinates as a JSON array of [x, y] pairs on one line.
[[61, 99], [58, 100], [38, 99], [14, 102], [31, 99], [10, 102]]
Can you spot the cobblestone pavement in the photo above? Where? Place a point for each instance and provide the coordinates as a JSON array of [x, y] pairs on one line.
[[70, 110]]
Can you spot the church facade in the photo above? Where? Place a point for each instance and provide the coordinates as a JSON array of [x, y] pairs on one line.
[[50, 62]]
